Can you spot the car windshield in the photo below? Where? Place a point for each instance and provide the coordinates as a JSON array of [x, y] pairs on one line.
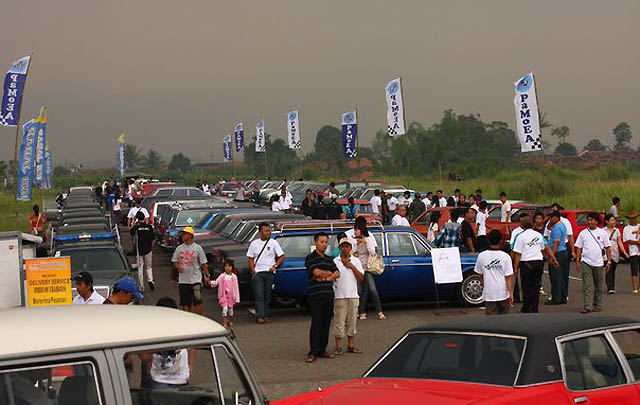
[[190, 218], [482, 359], [204, 220], [94, 260], [229, 187], [231, 226], [244, 232]]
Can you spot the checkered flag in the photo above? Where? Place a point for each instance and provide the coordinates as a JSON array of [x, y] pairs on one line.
[[390, 130], [537, 144], [3, 121], [295, 145]]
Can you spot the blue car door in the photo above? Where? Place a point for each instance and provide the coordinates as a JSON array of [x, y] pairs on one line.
[[291, 279], [408, 273]]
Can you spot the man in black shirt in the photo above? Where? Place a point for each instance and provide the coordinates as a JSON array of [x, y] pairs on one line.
[[334, 209], [320, 209], [416, 208], [468, 234], [322, 272], [144, 236], [308, 204]]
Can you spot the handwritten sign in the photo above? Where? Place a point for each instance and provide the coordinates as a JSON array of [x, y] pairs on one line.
[[446, 265], [48, 281]]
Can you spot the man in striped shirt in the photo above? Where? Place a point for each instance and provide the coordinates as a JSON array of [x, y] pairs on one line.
[[322, 272]]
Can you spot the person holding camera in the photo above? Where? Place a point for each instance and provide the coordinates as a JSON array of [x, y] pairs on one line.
[[593, 247]]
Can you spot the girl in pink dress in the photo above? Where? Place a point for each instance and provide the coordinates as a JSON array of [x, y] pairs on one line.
[[228, 292]]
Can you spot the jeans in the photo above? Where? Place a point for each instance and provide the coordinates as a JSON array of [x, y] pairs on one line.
[[531, 276], [566, 269], [610, 277], [321, 307], [559, 290], [368, 287], [262, 283], [592, 285]]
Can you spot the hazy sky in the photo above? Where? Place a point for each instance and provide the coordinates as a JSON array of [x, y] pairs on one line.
[[176, 76]]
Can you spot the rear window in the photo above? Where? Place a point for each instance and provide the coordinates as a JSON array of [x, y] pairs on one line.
[[228, 230], [453, 357], [190, 218], [95, 260], [163, 192], [581, 218]]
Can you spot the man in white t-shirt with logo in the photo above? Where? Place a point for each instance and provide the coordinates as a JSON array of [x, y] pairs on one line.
[[133, 211], [265, 256], [481, 222], [376, 202], [496, 269], [528, 258], [346, 298], [592, 246], [505, 208], [630, 235]]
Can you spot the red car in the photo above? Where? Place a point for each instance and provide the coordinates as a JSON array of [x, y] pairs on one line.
[[578, 219], [523, 359]]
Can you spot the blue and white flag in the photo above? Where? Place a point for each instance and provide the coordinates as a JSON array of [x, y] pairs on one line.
[[395, 108], [226, 149], [48, 168], [527, 119], [238, 133], [41, 142], [293, 130], [25, 162], [121, 167], [261, 141], [350, 134], [13, 88]]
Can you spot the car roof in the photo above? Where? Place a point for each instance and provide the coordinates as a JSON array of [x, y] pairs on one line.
[[85, 327], [89, 244]]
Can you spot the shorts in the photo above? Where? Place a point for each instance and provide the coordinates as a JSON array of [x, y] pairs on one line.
[[496, 307], [345, 313], [190, 294], [634, 262], [227, 311]]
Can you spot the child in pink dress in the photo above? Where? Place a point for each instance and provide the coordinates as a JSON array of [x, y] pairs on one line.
[[228, 292]]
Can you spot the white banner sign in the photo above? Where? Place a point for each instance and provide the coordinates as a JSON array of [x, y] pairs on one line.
[[527, 120], [293, 130], [261, 142], [395, 108]]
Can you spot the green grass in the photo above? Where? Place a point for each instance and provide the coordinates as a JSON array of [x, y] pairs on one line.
[[9, 206]]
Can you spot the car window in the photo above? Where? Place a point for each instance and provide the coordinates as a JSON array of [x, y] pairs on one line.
[[581, 218], [231, 226], [163, 376], [196, 192], [400, 244], [590, 363], [190, 217], [235, 388], [453, 357], [424, 219], [378, 237], [95, 260], [182, 192], [163, 192], [62, 384], [629, 343], [297, 245], [421, 250], [495, 214]]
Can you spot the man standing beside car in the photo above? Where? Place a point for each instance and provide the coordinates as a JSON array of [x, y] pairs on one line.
[[86, 294], [528, 260], [190, 262], [265, 256], [592, 246], [630, 235]]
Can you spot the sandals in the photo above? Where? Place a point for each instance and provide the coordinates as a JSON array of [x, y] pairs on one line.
[[326, 355], [311, 358], [353, 350], [362, 317], [381, 316], [338, 352]]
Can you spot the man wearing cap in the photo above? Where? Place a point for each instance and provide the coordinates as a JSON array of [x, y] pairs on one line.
[[346, 301], [86, 294], [190, 262], [124, 292], [630, 235]]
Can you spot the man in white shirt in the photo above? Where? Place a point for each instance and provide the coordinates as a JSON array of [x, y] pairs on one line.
[[441, 198], [481, 222], [346, 298], [505, 209], [591, 246], [614, 208], [405, 199], [392, 203], [265, 256], [496, 269], [133, 211], [427, 200], [630, 235], [86, 294], [400, 219], [528, 258], [376, 202]]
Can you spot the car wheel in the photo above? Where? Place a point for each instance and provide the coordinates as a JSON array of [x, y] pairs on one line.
[[285, 302], [471, 289]]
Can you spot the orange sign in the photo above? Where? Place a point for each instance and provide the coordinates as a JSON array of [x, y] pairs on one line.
[[48, 281]]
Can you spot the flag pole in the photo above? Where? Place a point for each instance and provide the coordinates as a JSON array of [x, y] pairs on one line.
[[15, 155], [266, 161], [407, 132], [43, 114]]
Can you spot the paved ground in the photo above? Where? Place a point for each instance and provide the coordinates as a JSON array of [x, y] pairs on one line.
[[276, 351]]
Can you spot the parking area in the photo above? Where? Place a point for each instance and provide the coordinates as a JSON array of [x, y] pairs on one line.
[[276, 351]]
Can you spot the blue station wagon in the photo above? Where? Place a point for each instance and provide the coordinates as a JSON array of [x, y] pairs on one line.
[[408, 271]]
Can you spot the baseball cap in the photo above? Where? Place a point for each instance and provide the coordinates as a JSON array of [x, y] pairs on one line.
[[188, 229], [84, 277], [345, 240], [128, 285]]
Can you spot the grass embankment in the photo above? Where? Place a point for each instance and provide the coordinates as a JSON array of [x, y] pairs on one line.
[[9, 206]]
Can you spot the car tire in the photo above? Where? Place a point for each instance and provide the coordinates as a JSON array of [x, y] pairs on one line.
[[470, 290], [285, 302]]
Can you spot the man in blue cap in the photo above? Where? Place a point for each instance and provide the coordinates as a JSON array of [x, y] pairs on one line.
[[124, 292]]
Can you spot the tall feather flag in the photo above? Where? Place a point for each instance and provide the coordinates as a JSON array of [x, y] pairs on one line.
[[14, 82], [527, 119], [48, 167], [238, 133], [226, 149], [41, 142], [261, 142], [395, 108], [293, 130], [25, 162], [350, 134], [121, 167]]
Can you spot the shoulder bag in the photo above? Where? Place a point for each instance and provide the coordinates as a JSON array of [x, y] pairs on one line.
[[375, 264]]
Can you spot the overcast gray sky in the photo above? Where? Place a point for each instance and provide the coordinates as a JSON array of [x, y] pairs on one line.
[[176, 76]]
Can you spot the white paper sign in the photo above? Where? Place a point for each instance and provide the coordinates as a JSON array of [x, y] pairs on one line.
[[446, 265]]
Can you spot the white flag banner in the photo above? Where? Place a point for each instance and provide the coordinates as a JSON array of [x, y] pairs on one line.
[[395, 108], [527, 119], [293, 130], [261, 142]]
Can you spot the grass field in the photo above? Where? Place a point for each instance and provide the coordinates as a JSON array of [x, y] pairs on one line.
[[591, 189]]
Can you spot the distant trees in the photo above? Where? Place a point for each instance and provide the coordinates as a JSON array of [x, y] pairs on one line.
[[131, 157], [622, 135], [3, 169], [280, 160], [595, 145], [566, 149], [179, 162], [152, 161]]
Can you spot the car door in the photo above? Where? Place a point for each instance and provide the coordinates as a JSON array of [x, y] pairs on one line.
[[291, 279], [594, 374], [627, 343], [406, 272]]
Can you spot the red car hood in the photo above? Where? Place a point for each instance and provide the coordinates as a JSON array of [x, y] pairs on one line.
[[373, 391]]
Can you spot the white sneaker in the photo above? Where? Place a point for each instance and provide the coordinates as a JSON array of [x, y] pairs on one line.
[[635, 291], [251, 310]]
